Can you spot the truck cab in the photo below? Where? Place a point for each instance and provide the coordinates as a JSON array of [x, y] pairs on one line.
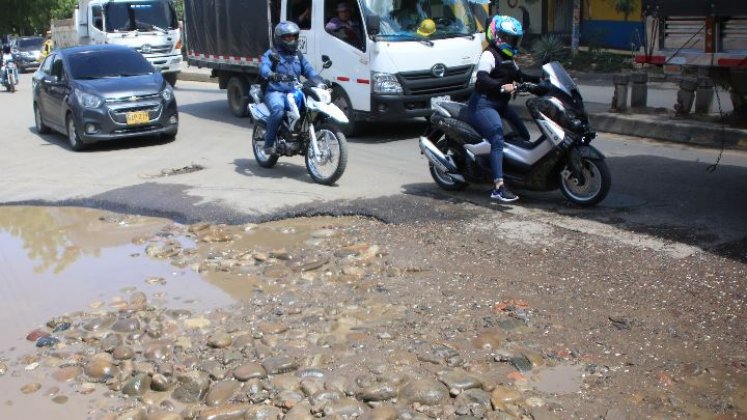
[[148, 26], [396, 58]]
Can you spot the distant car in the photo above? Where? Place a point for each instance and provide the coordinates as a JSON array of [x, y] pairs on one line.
[[102, 92], [27, 52]]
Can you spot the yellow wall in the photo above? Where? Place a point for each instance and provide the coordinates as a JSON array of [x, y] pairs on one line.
[[605, 10]]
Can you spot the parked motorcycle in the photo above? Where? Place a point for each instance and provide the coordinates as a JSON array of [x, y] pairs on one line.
[[309, 128], [560, 158], [9, 73]]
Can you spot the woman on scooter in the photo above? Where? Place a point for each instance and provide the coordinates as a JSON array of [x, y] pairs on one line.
[[497, 74]]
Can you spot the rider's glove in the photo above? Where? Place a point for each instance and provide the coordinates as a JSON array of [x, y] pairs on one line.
[[274, 77]]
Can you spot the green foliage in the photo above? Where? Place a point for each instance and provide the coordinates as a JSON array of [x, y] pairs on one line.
[[549, 48], [626, 7], [32, 17], [598, 61]]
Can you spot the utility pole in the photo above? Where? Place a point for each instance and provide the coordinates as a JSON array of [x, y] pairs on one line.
[[575, 26]]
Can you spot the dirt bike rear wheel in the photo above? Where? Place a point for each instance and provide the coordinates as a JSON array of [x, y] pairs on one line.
[[258, 145]]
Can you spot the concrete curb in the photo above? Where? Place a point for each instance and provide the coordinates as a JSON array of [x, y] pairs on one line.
[[196, 76]]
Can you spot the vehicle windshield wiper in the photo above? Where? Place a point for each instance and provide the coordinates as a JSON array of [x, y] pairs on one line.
[[158, 28]]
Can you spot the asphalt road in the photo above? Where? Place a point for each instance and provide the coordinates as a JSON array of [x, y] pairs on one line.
[[661, 192]]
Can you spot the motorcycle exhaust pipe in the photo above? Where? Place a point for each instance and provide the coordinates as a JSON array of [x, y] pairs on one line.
[[437, 158]]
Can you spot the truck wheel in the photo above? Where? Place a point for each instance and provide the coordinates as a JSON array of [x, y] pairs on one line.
[[341, 99], [170, 78], [238, 97]]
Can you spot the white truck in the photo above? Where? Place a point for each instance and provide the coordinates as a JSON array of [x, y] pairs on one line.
[[149, 26], [401, 56]]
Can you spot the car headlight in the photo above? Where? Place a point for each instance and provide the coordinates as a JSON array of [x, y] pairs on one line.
[[385, 83], [86, 100], [167, 93]]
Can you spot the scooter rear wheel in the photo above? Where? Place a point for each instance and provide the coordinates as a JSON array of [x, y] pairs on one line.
[[444, 180], [592, 188]]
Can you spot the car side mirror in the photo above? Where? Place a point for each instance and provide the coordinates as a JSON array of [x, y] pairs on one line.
[[52, 80], [373, 24], [326, 62]]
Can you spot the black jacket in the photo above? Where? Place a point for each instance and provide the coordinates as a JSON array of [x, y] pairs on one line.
[[505, 72]]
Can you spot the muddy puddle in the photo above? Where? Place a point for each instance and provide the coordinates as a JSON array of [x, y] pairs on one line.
[[111, 316]]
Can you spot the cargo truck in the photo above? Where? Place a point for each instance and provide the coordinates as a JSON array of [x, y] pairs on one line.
[[393, 65], [150, 27], [706, 34]]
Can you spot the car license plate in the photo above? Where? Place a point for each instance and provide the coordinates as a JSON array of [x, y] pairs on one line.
[[438, 99], [138, 117]]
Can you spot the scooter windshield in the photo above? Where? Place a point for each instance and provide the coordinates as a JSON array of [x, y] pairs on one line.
[[558, 77]]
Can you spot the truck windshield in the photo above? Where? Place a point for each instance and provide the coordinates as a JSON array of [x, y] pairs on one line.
[[140, 16], [414, 19], [108, 64], [30, 44]]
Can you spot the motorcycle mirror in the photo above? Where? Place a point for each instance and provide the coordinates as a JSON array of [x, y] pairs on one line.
[[326, 62]]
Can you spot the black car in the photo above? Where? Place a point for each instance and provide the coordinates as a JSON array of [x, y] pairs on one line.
[[27, 52], [102, 92]]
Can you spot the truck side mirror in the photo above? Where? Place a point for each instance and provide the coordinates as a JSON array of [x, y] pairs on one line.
[[373, 24]]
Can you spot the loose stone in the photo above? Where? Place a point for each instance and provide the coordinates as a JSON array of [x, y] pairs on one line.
[[60, 399], [424, 391], [221, 392], [48, 341], [279, 364], [126, 325], [220, 341], [378, 392], [262, 412], [137, 385], [67, 373], [249, 371], [160, 382], [36, 334], [192, 387], [30, 388], [123, 353], [100, 370]]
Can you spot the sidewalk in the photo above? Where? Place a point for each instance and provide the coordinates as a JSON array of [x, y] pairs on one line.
[[655, 122]]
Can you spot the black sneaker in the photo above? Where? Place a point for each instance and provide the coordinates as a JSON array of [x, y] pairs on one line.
[[503, 195]]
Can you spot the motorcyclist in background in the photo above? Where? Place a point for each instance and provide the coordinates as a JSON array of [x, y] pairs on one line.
[[497, 74], [4, 58], [283, 60]]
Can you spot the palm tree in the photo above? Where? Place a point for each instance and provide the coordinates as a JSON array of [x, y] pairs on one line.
[[626, 7]]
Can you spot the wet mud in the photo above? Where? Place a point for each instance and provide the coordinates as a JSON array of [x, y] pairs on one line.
[[111, 316]]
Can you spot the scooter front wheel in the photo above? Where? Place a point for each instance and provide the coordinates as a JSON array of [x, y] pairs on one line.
[[590, 186], [258, 144]]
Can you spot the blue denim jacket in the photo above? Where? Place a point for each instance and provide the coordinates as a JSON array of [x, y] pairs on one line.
[[289, 64]]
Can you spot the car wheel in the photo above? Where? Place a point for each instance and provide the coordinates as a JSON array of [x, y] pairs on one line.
[[41, 128], [341, 99], [237, 96], [170, 78], [73, 138]]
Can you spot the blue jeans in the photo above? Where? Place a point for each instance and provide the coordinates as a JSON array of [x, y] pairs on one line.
[[275, 102], [484, 117], [512, 117]]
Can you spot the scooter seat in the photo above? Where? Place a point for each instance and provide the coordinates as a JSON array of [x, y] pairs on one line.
[[456, 110]]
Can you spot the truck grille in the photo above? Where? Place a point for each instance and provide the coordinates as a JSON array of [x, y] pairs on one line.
[[425, 83], [155, 49]]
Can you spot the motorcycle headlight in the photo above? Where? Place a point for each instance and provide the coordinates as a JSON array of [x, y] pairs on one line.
[[167, 93], [86, 100], [385, 83]]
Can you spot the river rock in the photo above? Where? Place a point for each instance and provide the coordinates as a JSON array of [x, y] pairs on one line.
[[221, 392], [126, 325], [300, 411], [424, 391], [100, 370], [458, 381], [262, 412], [160, 382], [378, 392], [123, 353], [381, 413], [137, 386], [110, 342], [224, 412], [36, 334], [67, 373], [99, 324], [474, 402], [345, 408], [249, 371], [132, 414], [163, 415], [288, 399], [30, 388], [60, 399], [220, 340], [502, 395], [158, 351], [279, 364], [192, 387], [312, 385], [196, 323], [48, 341], [272, 328]]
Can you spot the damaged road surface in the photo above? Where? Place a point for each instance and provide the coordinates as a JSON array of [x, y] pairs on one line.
[[116, 316]]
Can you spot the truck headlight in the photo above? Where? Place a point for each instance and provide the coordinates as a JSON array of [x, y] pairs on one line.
[[167, 93], [473, 78], [86, 100], [385, 83]]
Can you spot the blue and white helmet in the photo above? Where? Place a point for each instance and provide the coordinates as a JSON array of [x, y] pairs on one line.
[[505, 33], [286, 37]]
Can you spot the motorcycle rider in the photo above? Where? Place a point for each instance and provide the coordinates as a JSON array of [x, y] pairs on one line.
[[497, 74], [6, 56], [279, 62]]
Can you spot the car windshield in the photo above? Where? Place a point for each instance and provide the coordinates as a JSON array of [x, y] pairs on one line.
[[140, 16], [30, 44], [401, 19], [108, 64]]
